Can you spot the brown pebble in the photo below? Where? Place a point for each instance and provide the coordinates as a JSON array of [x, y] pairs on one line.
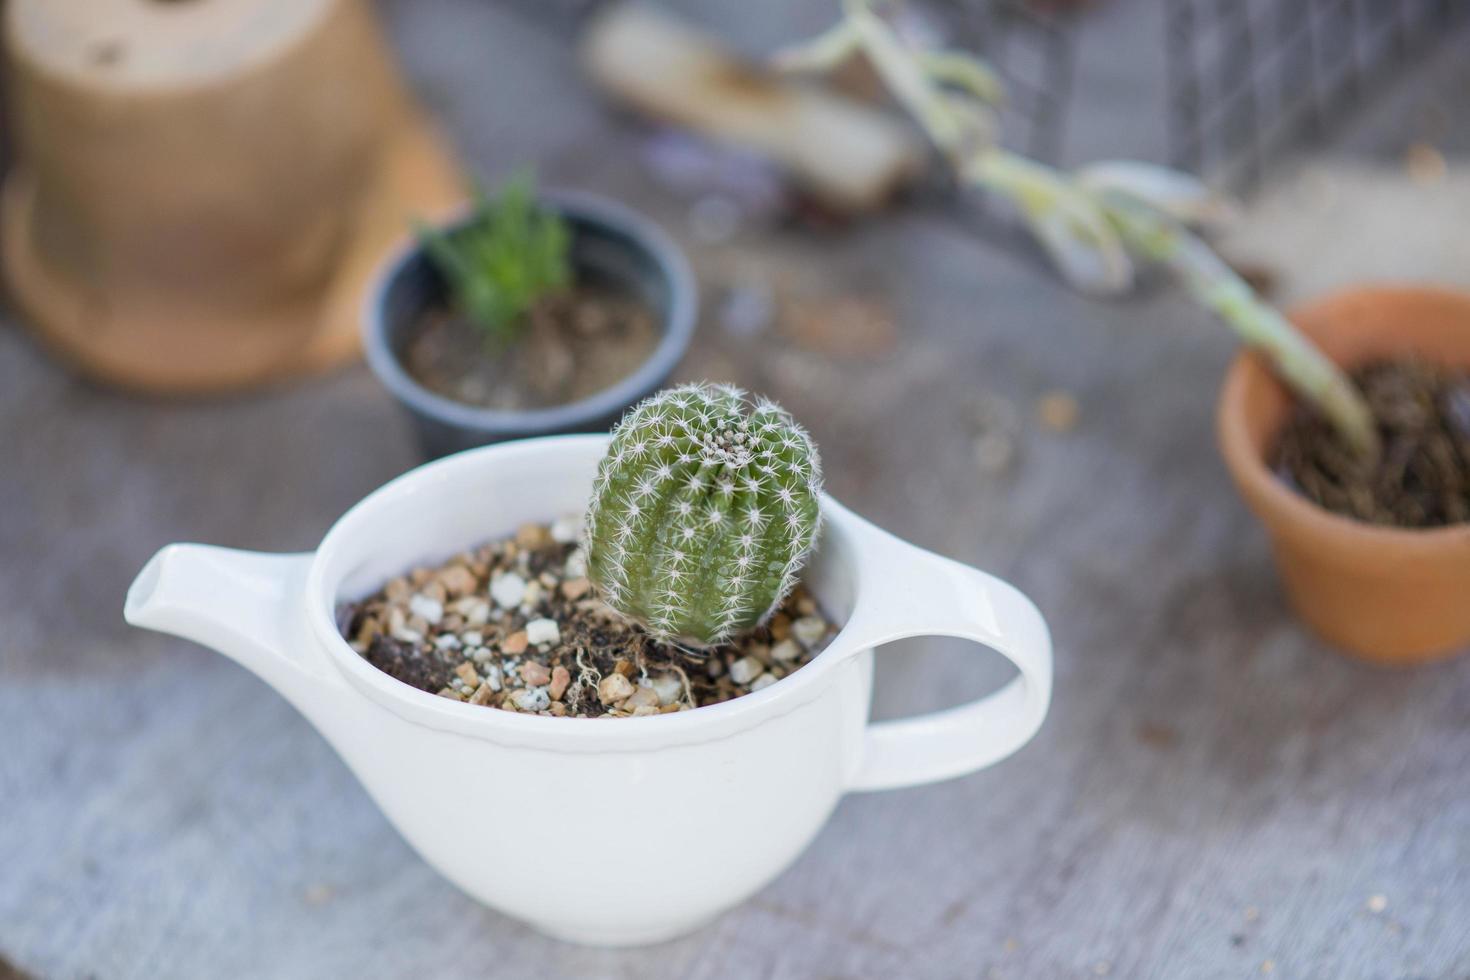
[[613, 688], [561, 678], [397, 590], [516, 643], [644, 697], [625, 668], [435, 590], [780, 626], [466, 673], [575, 588], [482, 694], [535, 673], [558, 709], [534, 537], [458, 580], [450, 693]]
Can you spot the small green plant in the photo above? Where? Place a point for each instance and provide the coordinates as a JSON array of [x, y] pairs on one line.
[[1093, 222], [704, 510], [511, 254]]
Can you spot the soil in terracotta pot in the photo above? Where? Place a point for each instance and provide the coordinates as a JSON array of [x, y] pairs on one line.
[[1423, 476], [515, 625], [572, 345]]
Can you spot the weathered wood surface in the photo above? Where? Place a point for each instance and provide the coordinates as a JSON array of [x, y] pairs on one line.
[[1214, 795]]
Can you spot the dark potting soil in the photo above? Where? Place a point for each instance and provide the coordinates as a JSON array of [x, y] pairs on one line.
[[572, 345], [1422, 478], [516, 625]]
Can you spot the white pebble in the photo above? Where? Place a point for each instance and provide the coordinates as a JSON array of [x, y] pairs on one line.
[[809, 630], [613, 688], [576, 566], [479, 614], [407, 635], [531, 699], [745, 670], [480, 654], [508, 589], [447, 642], [540, 631], [762, 682], [534, 592], [786, 651], [490, 674], [565, 530], [668, 687], [472, 638], [431, 609]]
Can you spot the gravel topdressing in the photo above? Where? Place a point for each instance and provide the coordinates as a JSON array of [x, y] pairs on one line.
[[515, 625]]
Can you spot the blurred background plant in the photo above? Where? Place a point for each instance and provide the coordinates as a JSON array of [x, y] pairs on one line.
[[511, 255], [1094, 222]]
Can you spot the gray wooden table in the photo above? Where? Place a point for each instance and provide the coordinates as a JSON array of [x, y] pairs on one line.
[[1215, 794]]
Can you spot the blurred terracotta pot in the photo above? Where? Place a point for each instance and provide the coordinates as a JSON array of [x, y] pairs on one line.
[[202, 187], [1386, 595]]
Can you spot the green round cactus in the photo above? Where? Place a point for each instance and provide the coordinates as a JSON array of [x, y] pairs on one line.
[[703, 511]]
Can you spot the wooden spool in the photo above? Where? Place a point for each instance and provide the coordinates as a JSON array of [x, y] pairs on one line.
[[202, 188]]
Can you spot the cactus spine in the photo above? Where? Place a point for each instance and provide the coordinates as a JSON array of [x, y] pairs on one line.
[[703, 512]]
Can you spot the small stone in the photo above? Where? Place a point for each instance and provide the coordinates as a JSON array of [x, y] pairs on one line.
[[561, 678], [576, 564], [508, 590], [613, 688], [643, 697], [515, 644], [809, 630], [480, 655], [762, 682], [668, 687], [806, 605], [482, 694], [534, 592], [575, 588], [408, 635], [472, 638], [565, 530], [533, 537], [558, 709], [432, 610], [535, 674], [745, 670], [433, 589], [467, 674], [493, 676], [786, 651], [447, 641], [397, 590], [780, 626], [643, 710], [625, 667], [450, 693], [531, 698], [540, 631], [1058, 411], [478, 615], [457, 580]]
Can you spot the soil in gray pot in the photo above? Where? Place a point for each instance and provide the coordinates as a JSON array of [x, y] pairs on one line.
[[572, 345], [516, 625], [1422, 478]]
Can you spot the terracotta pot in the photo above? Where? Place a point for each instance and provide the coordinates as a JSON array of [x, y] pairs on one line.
[[1387, 595], [203, 187]]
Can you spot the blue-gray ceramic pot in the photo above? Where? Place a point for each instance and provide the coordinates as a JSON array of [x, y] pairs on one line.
[[609, 242]]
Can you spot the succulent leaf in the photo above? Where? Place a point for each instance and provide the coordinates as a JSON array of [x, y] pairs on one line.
[[703, 512]]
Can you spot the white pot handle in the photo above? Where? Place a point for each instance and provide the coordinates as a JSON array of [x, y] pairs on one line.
[[912, 592]]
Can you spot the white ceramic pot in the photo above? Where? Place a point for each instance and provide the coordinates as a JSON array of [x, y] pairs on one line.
[[764, 770]]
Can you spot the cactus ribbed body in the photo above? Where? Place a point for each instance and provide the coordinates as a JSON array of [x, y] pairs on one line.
[[703, 512]]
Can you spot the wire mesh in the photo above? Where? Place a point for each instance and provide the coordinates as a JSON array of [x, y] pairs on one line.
[[1248, 78]]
